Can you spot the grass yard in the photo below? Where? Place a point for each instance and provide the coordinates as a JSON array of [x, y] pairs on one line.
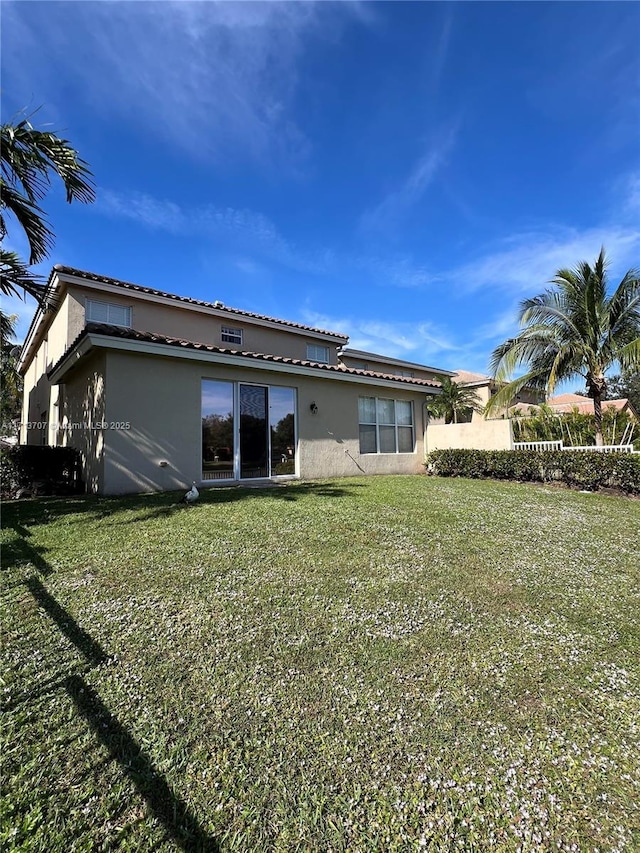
[[382, 664]]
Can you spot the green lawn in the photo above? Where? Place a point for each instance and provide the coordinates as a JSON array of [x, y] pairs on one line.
[[382, 664]]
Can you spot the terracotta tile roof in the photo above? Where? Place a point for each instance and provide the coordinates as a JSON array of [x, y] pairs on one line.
[[566, 399], [152, 337], [466, 376], [138, 288], [569, 402]]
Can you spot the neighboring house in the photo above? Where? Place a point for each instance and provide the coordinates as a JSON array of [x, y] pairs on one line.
[[157, 390], [361, 360], [485, 387], [584, 405]]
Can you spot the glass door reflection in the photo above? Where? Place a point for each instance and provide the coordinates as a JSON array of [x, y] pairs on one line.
[[254, 432]]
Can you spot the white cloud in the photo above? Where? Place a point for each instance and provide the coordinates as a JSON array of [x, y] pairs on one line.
[[238, 230], [256, 237], [441, 51], [525, 263], [215, 78], [425, 170], [420, 342], [631, 194], [142, 208]]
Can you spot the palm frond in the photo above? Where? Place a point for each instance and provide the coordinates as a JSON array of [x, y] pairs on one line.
[[574, 328], [16, 278], [7, 327], [629, 355], [31, 219], [505, 395], [30, 155], [454, 400]]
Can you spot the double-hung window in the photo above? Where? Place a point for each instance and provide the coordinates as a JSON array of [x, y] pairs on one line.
[[317, 352], [386, 426], [107, 312]]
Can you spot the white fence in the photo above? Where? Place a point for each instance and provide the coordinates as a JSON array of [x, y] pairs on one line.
[[538, 445], [606, 448], [559, 445]]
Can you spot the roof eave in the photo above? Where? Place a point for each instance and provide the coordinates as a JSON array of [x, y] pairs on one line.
[[89, 340], [112, 285], [374, 356]]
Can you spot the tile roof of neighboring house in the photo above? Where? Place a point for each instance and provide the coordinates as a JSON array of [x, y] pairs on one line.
[[467, 377], [365, 355], [138, 288], [151, 337], [569, 402]]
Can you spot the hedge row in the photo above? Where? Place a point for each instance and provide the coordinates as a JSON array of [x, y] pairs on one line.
[[585, 469], [41, 470]]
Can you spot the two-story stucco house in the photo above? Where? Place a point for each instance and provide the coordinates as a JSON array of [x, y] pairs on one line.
[[157, 390], [486, 386]]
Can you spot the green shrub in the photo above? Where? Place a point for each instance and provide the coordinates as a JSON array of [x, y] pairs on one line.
[[41, 469], [585, 469]]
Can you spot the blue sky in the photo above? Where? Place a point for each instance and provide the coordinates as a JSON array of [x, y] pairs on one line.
[[404, 173]]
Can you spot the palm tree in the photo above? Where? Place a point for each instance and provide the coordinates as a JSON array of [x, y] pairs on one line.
[[573, 328], [10, 380], [454, 401], [28, 157]]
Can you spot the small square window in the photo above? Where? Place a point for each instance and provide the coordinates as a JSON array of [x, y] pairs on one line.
[[231, 336], [318, 353]]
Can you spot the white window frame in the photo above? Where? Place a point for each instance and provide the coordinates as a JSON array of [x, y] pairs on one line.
[[110, 306], [231, 335], [396, 426], [314, 349]]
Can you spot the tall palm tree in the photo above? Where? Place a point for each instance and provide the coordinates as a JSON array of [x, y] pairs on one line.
[[573, 328], [28, 157], [454, 401]]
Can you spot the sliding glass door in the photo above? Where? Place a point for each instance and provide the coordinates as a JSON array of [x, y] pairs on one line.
[[218, 430], [254, 432], [282, 429], [248, 431]]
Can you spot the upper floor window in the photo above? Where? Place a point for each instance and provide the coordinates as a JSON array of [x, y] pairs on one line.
[[231, 336], [316, 352], [107, 312], [408, 374]]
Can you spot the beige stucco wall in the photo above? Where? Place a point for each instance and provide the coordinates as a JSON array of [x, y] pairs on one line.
[[483, 394], [477, 435], [523, 400], [179, 321], [39, 397], [160, 398], [81, 413]]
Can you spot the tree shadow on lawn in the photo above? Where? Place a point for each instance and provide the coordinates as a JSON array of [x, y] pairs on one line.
[[167, 808], [20, 515], [20, 552]]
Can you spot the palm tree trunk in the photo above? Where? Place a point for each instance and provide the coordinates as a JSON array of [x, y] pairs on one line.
[[597, 386], [597, 418]]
